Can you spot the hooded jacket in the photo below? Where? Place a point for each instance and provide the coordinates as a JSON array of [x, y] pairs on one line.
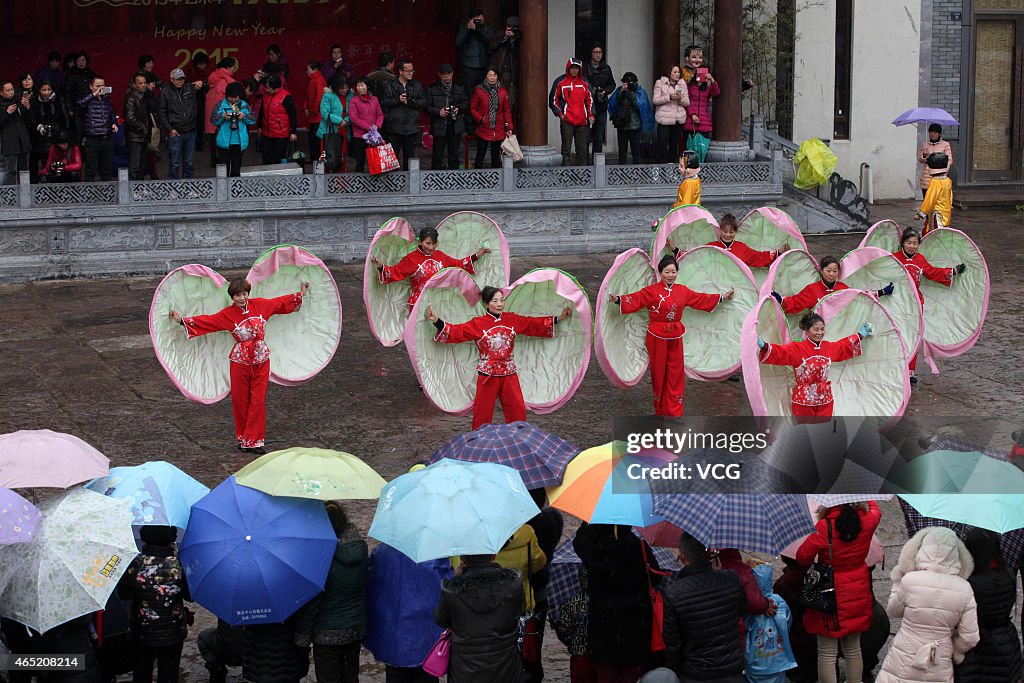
[[482, 606], [338, 615], [667, 111], [523, 553], [931, 594], [997, 657], [571, 97]]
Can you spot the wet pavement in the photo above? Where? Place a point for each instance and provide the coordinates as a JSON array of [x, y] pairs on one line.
[[75, 356]]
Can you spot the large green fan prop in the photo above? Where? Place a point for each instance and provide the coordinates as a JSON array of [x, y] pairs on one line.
[[619, 339]]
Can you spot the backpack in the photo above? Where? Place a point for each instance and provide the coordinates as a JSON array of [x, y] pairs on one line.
[[622, 115]]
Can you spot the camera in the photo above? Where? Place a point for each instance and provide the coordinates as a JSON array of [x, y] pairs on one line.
[[57, 169], [452, 112], [47, 131], [478, 22], [234, 115]]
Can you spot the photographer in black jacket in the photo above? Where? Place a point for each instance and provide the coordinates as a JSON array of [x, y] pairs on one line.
[[448, 107], [602, 84]]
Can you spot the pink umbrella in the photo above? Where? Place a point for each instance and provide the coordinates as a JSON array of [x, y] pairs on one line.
[[40, 458]]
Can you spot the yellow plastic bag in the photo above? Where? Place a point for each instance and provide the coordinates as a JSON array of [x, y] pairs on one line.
[[814, 164]]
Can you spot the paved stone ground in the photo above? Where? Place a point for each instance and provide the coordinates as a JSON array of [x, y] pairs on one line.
[[75, 356]]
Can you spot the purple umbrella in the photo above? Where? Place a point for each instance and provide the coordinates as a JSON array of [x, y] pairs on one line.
[[18, 518], [925, 115], [539, 457]]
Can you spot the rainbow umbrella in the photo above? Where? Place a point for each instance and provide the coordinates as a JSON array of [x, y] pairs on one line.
[[602, 485]]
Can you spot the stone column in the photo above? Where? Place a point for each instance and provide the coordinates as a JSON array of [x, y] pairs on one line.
[[533, 86], [727, 143], [666, 35]]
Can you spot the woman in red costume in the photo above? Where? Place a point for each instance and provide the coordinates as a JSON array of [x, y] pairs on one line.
[[751, 257], [918, 266], [810, 358], [422, 263], [665, 301], [808, 297], [494, 334], [246, 320]]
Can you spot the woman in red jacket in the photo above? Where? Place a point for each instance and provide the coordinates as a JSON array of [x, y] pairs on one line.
[[315, 87], [490, 109], [850, 528]]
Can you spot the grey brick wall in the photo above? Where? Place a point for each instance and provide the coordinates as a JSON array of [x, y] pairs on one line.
[[946, 47]]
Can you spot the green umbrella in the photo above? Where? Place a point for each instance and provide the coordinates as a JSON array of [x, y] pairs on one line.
[[82, 547], [970, 488], [312, 473]]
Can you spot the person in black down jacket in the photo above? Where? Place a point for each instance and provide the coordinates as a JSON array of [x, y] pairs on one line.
[[997, 656], [269, 654], [702, 606], [619, 631], [335, 620], [403, 98], [448, 107], [481, 606], [155, 583]]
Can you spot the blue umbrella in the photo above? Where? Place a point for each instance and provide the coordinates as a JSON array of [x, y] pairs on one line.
[[157, 492], [251, 558], [452, 508], [539, 457], [925, 115], [18, 518]]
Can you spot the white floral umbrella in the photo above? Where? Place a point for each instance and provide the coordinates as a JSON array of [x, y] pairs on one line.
[[82, 547]]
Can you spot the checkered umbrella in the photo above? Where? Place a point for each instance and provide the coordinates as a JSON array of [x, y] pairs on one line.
[[564, 583], [539, 457], [1011, 543]]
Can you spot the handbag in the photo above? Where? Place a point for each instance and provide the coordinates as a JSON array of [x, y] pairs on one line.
[[510, 146], [530, 635], [657, 605], [819, 590], [154, 135], [332, 145], [381, 159], [436, 662]]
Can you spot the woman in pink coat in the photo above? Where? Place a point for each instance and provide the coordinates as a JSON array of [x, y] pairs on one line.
[[703, 87], [363, 112], [218, 81], [932, 145], [930, 593], [671, 98], [851, 529]]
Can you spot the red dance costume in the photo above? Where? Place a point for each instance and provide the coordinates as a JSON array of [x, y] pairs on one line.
[[419, 268], [497, 377], [664, 339], [749, 256], [250, 358], [808, 297], [918, 266], [812, 394]]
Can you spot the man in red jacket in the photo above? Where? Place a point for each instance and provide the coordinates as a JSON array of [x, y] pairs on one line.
[[572, 102]]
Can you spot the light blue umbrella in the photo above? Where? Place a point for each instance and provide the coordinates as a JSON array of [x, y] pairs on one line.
[[452, 508], [157, 492]]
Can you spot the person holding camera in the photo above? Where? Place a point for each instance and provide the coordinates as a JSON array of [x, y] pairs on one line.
[[626, 116], [403, 99], [14, 138], [671, 98], [505, 57], [63, 161], [447, 103], [279, 121], [136, 127], [49, 118], [337, 67], [602, 84], [702, 87], [232, 118], [473, 42], [100, 124]]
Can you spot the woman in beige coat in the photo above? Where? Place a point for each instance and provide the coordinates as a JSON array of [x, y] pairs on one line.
[[670, 100], [931, 594], [933, 144]]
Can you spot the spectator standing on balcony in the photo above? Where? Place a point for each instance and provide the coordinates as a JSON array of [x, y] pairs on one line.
[[99, 125], [473, 42], [49, 119], [197, 72], [627, 117], [447, 105], [233, 118], [15, 143], [27, 84], [217, 85], [492, 113], [51, 72], [403, 99], [137, 127], [276, 64], [571, 101], [316, 86], [384, 72], [278, 121], [363, 111], [505, 57], [334, 106], [63, 161], [77, 84], [177, 115], [337, 66], [671, 98], [602, 83], [702, 86]]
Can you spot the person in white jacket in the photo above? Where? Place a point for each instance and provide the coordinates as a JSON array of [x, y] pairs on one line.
[[671, 98], [931, 594]]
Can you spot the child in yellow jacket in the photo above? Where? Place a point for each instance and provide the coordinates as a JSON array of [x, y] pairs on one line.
[[689, 189], [937, 207]]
